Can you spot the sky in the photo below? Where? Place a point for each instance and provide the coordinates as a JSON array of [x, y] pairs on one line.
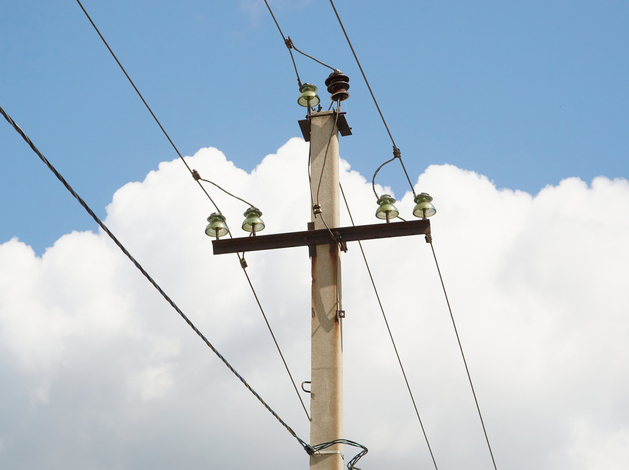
[[511, 115]]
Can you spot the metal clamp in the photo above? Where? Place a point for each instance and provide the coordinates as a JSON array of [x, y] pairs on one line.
[[302, 386], [330, 452]]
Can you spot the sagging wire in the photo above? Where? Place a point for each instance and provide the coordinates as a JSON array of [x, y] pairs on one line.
[[386, 322], [396, 151], [456, 332], [373, 180], [288, 42], [102, 225], [198, 179], [351, 464]]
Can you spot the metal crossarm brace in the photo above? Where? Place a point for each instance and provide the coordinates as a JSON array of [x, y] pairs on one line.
[[321, 237]]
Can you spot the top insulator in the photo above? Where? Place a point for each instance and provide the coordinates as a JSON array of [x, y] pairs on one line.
[[338, 84]]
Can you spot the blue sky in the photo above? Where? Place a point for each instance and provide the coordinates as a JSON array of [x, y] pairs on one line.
[[527, 93], [511, 114]]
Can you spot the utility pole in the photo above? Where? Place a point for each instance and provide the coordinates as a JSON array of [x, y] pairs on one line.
[[326, 398], [325, 240]]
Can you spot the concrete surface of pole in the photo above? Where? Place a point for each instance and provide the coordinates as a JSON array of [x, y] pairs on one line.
[[326, 398]]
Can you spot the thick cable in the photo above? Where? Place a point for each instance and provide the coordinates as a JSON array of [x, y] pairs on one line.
[[373, 97], [102, 225], [352, 462], [467, 370], [386, 322]]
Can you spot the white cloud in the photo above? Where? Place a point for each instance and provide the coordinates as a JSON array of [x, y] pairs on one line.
[[94, 359]]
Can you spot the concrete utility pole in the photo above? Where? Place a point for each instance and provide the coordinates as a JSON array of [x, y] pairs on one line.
[[323, 240], [326, 398]]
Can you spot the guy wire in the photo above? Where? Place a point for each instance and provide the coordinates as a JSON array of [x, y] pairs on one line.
[[373, 97], [467, 370], [102, 225], [196, 177], [386, 322]]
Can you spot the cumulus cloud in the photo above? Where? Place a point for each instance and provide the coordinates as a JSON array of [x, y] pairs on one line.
[[99, 372]]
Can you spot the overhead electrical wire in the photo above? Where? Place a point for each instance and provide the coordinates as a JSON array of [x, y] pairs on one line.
[[102, 225], [351, 464], [397, 154], [396, 151], [386, 322], [198, 179], [266, 320], [285, 42], [456, 331], [144, 101], [290, 45], [197, 176]]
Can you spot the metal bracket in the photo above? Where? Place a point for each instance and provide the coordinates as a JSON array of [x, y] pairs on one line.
[[330, 452], [340, 314], [341, 124]]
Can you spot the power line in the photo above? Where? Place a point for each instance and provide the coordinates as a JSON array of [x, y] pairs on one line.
[[467, 370], [290, 45], [101, 224], [386, 322], [145, 103], [351, 464], [198, 179], [396, 151], [244, 265], [197, 176], [285, 42]]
